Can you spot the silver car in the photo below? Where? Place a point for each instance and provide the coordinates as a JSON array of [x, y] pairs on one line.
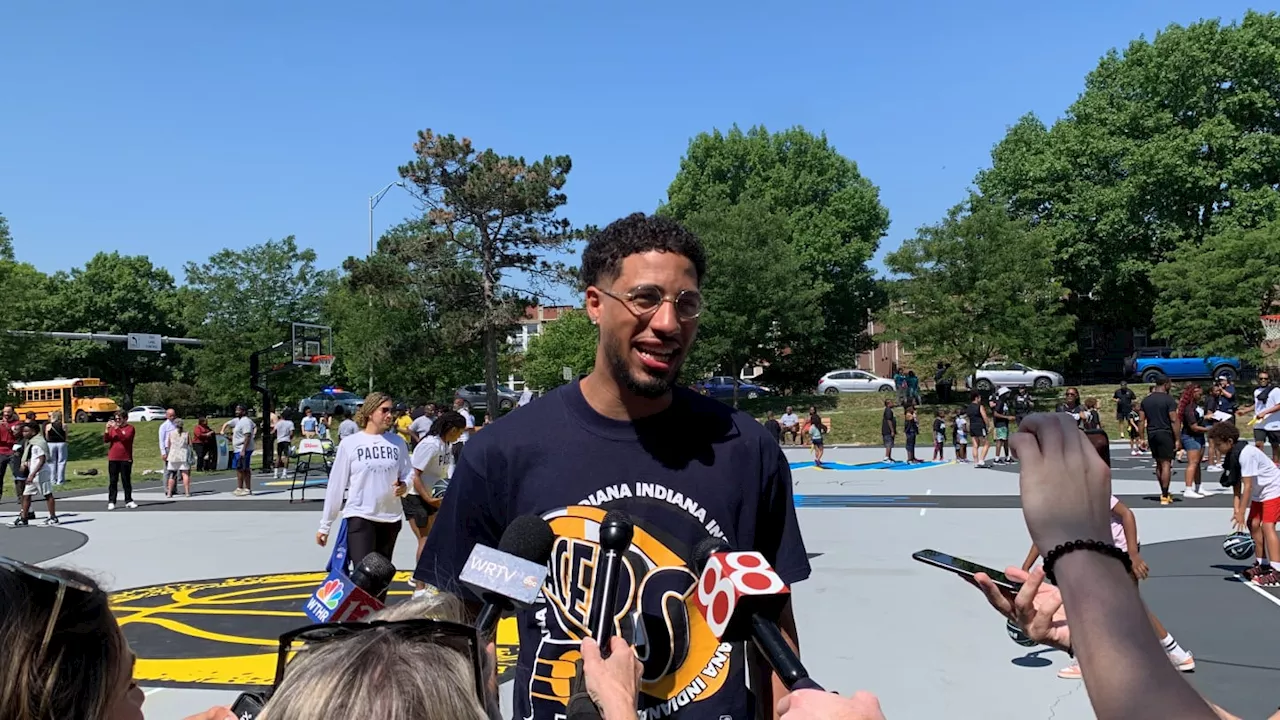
[[838, 381], [1011, 374], [478, 398]]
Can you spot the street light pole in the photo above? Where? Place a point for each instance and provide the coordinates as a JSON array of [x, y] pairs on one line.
[[374, 199]]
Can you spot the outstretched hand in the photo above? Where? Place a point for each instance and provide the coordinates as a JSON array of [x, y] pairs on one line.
[[1036, 607]]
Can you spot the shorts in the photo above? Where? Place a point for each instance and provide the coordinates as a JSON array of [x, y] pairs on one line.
[[1266, 436], [282, 448], [816, 442], [240, 460], [1002, 433], [1269, 510], [939, 439], [888, 439], [1191, 444], [416, 510], [42, 488], [962, 439], [1161, 444], [1133, 433], [978, 431]]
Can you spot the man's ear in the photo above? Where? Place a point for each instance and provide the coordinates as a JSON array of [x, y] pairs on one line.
[[594, 304]]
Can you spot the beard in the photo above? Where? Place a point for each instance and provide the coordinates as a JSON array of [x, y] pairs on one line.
[[647, 386]]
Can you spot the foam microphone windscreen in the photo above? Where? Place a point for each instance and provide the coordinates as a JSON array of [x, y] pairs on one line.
[[373, 574], [704, 550], [528, 537]]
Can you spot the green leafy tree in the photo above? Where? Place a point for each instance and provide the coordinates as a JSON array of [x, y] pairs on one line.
[[182, 397], [116, 294], [1212, 294], [6, 240], [1172, 139], [501, 213], [568, 342], [244, 300], [976, 287], [759, 301], [408, 312], [833, 218]]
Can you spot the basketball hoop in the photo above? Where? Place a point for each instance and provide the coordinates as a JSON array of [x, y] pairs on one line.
[[1271, 327], [325, 362]]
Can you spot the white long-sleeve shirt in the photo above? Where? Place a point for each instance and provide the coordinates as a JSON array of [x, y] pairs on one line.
[[370, 465]]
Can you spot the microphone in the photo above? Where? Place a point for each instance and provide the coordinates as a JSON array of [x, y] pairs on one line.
[[510, 577], [739, 594], [616, 532], [351, 599]]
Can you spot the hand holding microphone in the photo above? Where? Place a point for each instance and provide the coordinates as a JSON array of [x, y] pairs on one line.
[[612, 683]]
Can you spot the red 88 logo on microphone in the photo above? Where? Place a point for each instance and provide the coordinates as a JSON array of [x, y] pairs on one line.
[[729, 576]]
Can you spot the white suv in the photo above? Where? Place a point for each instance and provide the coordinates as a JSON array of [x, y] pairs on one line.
[[838, 381]]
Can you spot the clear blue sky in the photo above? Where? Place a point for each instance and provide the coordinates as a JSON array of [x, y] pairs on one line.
[[175, 129]]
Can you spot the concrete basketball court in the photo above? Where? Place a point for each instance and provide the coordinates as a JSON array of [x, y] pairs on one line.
[[869, 617]]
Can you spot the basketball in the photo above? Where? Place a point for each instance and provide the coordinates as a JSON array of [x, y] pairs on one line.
[[1238, 546], [1016, 634]]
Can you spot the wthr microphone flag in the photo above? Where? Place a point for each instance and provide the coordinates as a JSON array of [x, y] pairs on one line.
[[338, 599]]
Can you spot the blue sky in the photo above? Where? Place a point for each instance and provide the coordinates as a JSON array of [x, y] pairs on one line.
[[176, 129]]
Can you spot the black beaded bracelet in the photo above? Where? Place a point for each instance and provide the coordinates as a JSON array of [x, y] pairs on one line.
[[1095, 545]]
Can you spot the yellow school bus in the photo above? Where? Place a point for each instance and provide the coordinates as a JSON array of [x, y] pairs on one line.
[[79, 399]]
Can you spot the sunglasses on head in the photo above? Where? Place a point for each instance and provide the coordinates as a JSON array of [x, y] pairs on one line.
[[456, 636], [62, 583]]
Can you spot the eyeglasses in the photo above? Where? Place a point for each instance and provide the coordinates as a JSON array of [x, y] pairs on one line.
[[646, 299], [455, 636], [63, 583]]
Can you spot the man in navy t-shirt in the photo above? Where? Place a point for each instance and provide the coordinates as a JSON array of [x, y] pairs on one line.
[[682, 466]]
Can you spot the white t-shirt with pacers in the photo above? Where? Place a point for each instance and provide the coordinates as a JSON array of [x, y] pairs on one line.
[[367, 468], [431, 458], [1266, 476]]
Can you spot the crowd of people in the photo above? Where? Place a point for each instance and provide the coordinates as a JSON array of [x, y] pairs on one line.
[[683, 467]]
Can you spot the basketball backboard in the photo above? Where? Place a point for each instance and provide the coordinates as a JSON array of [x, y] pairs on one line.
[[312, 344]]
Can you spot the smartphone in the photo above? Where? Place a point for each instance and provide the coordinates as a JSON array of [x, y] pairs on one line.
[[248, 706], [964, 567]]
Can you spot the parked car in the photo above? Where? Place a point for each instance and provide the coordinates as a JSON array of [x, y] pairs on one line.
[[838, 381], [146, 413], [477, 397], [1011, 374], [721, 386], [1148, 362], [327, 400]]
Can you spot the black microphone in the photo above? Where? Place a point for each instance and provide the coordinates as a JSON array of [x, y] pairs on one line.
[[616, 532], [518, 566], [374, 574], [736, 610]]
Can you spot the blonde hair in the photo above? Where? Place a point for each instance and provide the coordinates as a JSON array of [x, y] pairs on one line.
[[372, 402], [55, 416], [380, 674]]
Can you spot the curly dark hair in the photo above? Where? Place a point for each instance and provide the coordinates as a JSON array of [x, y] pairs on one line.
[[638, 233]]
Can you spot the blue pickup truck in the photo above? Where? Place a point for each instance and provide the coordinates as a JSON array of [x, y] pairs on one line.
[[1147, 362]]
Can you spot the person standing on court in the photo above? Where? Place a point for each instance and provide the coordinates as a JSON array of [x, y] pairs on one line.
[[681, 466], [166, 427], [1124, 399], [55, 434], [372, 469], [119, 439], [205, 444], [1266, 415], [243, 430], [1162, 427]]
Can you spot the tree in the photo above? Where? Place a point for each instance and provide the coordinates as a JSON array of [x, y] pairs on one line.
[[569, 342], [1211, 295], [6, 240], [183, 398], [1171, 141], [245, 300], [413, 299], [976, 287], [501, 213], [833, 218], [117, 294], [759, 303]]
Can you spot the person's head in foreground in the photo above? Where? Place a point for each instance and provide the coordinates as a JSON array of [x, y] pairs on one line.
[[64, 656], [388, 673], [1223, 436], [642, 275]]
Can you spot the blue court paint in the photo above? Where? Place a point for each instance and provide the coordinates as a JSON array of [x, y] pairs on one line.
[[845, 501], [880, 465]]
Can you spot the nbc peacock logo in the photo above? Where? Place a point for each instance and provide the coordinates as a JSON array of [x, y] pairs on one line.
[[331, 593]]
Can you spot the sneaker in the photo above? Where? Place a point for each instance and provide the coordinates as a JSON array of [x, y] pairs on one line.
[[18, 522], [51, 520], [131, 505], [1192, 495], [1070, 672], [1214, 468], [1268, 579], [1166, 499], [1186, 664], [1254, 571], [111, 506]]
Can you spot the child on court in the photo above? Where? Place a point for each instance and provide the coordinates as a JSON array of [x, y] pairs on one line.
[[962, 436], [1257, 484], [1124, 534], [911, 427], [816, 430], [939, 433]]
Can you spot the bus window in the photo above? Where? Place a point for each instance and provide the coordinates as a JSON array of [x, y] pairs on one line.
[[92, 391]]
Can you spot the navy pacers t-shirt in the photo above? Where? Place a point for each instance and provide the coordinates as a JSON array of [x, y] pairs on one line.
[[698, 468]]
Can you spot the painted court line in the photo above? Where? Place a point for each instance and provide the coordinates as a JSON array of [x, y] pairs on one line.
[[926, 492], [1257, 589]]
